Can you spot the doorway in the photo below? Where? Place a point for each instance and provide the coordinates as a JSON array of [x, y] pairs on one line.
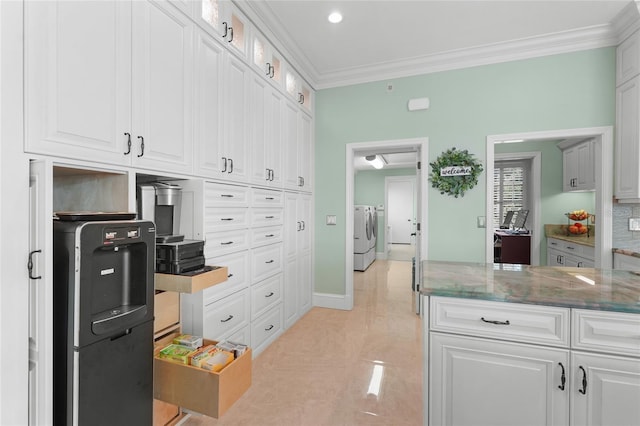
[[603, 137], [400, 219], [420, 147]]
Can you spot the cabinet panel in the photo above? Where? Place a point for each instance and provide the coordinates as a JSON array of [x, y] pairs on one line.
[[266, 235], [162, 87], [266, 198], [606, 390], [266, 329], [518, 322], [218, 243], [606, 332], [628, 59], [78, 79], [226, 315], [627, 149], [266, 261], [217, 218], [266, 295], [219, 195], [267, 216], [482, 382]]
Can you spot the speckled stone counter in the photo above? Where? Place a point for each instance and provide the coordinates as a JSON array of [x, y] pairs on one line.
[[560, 232], [584, 288], [628, 252]]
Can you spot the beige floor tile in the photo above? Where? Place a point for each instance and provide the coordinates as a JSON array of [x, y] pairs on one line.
[[324, 369]]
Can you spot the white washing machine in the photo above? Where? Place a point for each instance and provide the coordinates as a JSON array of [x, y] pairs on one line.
[[363, 234]]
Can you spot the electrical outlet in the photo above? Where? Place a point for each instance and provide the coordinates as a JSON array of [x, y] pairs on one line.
[[331, 219], [634, 224]]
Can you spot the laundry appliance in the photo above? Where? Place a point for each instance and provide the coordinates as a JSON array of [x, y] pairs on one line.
[[103, 293], [363, 237]]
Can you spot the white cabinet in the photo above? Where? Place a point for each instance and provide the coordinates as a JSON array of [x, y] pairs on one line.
[[298, 90], [266, 107], [482, 366], [628, 59], [223, 19], [297, 256], [566, 253], [298, 149], [221, 118], [484, 382], [110, 82], [266, 60], [627, 149], [578, 166], [626, 262]]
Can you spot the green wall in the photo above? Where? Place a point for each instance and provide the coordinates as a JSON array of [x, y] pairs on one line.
[[554, 203], [554, 92], [369, 191]]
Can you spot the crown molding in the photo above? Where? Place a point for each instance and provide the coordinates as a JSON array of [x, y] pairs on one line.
[[606, 35]]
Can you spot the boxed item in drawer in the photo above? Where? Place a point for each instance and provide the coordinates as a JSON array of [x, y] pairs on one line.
[[200, 390]]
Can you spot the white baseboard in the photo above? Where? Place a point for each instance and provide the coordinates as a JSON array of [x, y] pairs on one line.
[[332, 301], [381, 255]]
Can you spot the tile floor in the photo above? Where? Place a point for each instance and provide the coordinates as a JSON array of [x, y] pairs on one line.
[[359, 367]]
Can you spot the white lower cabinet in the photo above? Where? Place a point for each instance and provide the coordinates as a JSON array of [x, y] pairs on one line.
[[477, 376], [266, 329], [484, 382], [217, 320]]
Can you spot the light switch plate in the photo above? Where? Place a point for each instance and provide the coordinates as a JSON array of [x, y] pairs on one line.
[[481, 222], [331, 219], [634, 224]]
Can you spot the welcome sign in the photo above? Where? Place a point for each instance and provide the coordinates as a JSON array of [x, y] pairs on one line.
[[455, 171]]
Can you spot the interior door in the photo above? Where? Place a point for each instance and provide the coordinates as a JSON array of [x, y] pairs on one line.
[[417, 265], [401, 193], [40, 295]]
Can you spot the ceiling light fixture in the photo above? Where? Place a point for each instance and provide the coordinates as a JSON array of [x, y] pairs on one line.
[[375, 161], [335, 17]]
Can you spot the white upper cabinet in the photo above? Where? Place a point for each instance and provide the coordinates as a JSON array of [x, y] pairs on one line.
[[628, 59], [266, 107], [627, 149], [109, 82], [578, 166], [224, 19], [298, 90], [266, 60]]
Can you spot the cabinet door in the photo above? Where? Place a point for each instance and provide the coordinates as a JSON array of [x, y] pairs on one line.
[[290, 146], [605, 390], [258, 137], [483, 382], [586, 168], [162, 84], [627, 153], [274, 123], [235, 120], [305, 282], [569, 169], [291, 290], [305, 151], [304, 217], [209, 104], [78, 79]]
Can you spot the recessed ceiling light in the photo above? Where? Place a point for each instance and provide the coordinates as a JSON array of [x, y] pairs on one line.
[[335, 17]]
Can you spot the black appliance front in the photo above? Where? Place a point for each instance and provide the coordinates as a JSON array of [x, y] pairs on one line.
[[103, 322]]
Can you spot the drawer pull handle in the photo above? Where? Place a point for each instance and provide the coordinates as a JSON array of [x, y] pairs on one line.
[[269, 328], [496, 322], [563, 378], [226, 243], [269, 235], [228, 319], [227, 218], [584, 381], [269, 295], [269, 217], [229, 276], [269, 261], [226, 195], [269, 198]]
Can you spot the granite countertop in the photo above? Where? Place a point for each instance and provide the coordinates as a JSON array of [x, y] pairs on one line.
[[583, 288], [628, 252], [560, 232]]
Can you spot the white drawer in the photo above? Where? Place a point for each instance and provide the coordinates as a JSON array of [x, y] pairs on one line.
[[266, 198], [267, 216], [612, 332], [223, 317], [500, 320], [219, 194], [237, 276], [268, 235], [217, 218], [266, 329], [218, 243], [265, 262], [265, 295], [241, 336]]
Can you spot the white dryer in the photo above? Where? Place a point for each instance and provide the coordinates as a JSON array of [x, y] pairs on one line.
[[362, 237]]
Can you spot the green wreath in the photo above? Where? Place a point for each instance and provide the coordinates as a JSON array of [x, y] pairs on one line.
[[454, 184]]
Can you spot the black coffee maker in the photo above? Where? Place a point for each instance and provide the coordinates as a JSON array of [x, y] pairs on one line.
[[160, 202]]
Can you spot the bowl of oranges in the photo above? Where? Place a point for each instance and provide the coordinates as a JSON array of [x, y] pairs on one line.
[[578, 228]]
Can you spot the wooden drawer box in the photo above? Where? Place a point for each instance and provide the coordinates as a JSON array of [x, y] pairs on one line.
[[201, 390], [510, 321], [192, 282], [612, 332], [166, 310]]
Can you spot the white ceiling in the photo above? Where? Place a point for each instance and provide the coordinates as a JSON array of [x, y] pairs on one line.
[[381, 39]]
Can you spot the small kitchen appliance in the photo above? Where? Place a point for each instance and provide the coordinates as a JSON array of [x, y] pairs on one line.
[[160, 202], [103, 293]]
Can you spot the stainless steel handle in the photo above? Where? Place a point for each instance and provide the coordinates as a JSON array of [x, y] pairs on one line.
[[229, 318], [496, 322], [269, 295]]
